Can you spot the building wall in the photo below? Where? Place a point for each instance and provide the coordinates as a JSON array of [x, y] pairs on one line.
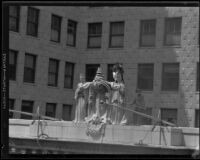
[[186, 99]]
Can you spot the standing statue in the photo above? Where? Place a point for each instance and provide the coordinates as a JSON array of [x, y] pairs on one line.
[[118, 115], [81, 100]]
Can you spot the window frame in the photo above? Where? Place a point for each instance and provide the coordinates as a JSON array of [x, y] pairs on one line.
[[70, 114], [197, 77], [31, 105], [138, 71], [86, 72], [56, 74], [11, 114], [33, 70], [56, 29], [15, 65], [97, 35], [116, 35], [142, 23], [74, 32], [69, 76], [175, 109], [110, 69], [17, 18], [167, 19], [196, 121], [30, 22], [162, 78], [54, 108]]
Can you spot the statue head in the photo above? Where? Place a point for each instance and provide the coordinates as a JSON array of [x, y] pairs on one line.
[[118, 72], [82, 77]]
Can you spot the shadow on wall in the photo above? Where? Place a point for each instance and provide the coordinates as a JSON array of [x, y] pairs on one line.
[[177, 57]]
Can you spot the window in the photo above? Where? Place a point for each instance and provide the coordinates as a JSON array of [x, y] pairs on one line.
[[53, 72], [27, 106], [197, 118], [11, 106], [169, 115], [172, 31], [14, 14], [170, 77], [66, 113], [55, 28], [197, 77], [69, 75], [147, 33], [91, 70], [29, 68], [110, 73], [145, 76], [32, 21], [94, 35], [148, 121], [116, 34], [51, 110], [71, 33], [12, 64]]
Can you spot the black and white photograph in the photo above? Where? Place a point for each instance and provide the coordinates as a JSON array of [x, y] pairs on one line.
[[92, 78]]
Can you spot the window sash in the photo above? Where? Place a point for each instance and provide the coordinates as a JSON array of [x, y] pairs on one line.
[[32, 29], [197, 81], [27, 106], [169, 115], [52, 79], [117, 28], [117, 41], [30, 61], [50, 110], [94, 29], [56, 23], [66, 113], [68, 81], [11, 106], [29, 75], [13, 24], [94, 41]]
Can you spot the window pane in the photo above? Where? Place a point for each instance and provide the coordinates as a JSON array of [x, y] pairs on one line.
[[30, 61], [148, 40], [13, 24], [29, 75], [27, 106], [173, 39], [31, 29], [12, 57], [13, 11], [56, 22], [197, 118], [51, 109], [197, 76], [68, 69], [170, 77], [109, 73], [173, 31], [145, 76], [91, 70], [94, 42], [11, 106], [95, 29], [68, 82], [169, 115], [117, 41], [70, 39], [53, 66], [117, 28], [52, 79], [66, 113], [54, 35], [33, 15]]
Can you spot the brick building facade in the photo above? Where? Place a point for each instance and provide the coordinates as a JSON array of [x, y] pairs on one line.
[[158, 47]]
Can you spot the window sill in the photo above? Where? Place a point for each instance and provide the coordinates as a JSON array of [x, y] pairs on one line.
[[146, 47], [15, 33], [55, 43], [116, 48], [166, 92], [173, 46], [32, 37], [29, 84], [53, 87]]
